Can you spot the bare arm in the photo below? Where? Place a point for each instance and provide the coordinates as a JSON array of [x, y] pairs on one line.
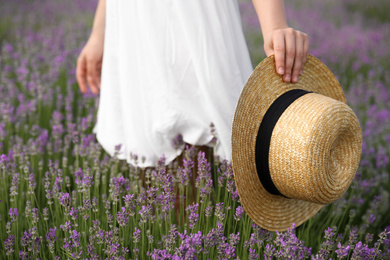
[[89, 62], [289, 46], [99, 22]]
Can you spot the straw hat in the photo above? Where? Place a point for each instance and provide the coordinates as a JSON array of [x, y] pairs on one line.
[[306, 151]]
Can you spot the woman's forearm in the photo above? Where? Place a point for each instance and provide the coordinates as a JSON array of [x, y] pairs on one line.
[[99, 22], [289, 46], [271, 15]]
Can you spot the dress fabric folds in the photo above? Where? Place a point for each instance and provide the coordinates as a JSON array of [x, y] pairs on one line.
[[170, 67]]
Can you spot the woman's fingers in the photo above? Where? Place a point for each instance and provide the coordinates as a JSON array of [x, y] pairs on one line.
[[89, 66], [290, 48], [305, 51], [81, 73], [279, 51], [92, 76], [298, 58], [98, 71], [289, 37]]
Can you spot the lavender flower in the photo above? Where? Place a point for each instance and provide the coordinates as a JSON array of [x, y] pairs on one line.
[[384, 236], [13, 213], [290, 245], [67, 226], [208, 211], [183, 176], [234, 239], [204, 169], [136, 235], [206, 190], [252, 242], [225, 251], [95, 205], [368, 238], [342, 251], [31, 242], [210, 240], [193, 216], [268, 253], [168, 241], [219, 211], [161, 254], [14, 187], [65, 200], [35, 215], [238, 214], [31, 183], [9, 245], [145, 213], [327, 246], [129, 203], [118, 185], [141, 198], [51, 238], [75, 236], [363, 252], [79, 176], [74, 213], [371, 219], [352, 237], [152, 194], [122, 217], [177, 142], [190, 245]]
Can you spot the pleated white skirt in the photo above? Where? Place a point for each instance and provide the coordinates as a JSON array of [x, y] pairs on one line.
[[170, 67]]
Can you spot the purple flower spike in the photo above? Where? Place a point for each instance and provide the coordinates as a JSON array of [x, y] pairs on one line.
[[3, 160], [122, 217], [65, 200], [75, 236], [136, 235], [13, 213], [9, 245], [193, 216], [371, 219], [145, 213], [363, 252], [51, 238], [161, 254], [342, 251], [239, 212], [129, 203], [268, 253], [219, 211], [73, 213], [177, 142]]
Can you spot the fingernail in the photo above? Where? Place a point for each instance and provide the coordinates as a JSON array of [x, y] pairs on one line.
[[287, 78], [295, 79], [281, 70]]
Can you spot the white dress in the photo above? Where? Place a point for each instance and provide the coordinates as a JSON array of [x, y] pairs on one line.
[[170, 67]]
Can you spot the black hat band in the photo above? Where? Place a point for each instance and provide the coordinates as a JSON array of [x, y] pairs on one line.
[[263, 139]]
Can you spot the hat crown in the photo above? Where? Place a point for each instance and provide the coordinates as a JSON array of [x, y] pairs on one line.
[[314, 150]]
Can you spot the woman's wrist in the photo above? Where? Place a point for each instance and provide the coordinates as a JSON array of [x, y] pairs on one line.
[[97, 34]]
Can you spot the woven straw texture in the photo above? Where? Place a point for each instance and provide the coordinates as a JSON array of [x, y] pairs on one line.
[[315, 146]]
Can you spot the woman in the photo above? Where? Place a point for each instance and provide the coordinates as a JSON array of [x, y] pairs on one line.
[[173, 67]]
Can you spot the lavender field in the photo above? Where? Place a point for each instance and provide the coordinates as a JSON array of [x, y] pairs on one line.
[[63, 197]]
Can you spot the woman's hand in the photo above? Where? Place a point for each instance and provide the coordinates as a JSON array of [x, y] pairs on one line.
[[290, 48], [89, 65]]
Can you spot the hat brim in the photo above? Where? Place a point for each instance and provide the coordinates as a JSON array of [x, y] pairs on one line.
[[264, 86]]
